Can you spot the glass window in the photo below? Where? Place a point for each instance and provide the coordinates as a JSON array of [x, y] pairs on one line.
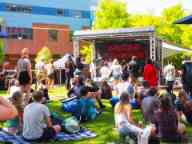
[[76, 13], [60, 12], [19, 8], [19, 33], [53, 35]]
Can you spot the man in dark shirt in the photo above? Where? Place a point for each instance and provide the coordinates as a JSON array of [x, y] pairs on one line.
[[149, 105], [133, 67]]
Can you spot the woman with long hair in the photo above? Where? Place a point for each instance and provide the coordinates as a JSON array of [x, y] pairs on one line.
[[125, 124], [24, 73]]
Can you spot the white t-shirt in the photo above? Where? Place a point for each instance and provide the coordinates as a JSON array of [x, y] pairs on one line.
[[105, 72], [122, 87], [34, 120], [169, 72], [116, 70]]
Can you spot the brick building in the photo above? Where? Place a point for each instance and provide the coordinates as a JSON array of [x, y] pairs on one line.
[[34, 24]]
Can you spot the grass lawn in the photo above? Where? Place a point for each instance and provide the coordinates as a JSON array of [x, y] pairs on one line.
[[103, 126]]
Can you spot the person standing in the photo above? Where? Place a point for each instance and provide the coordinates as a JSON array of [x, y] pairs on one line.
[[24, 74], [133, 67], [187, 75], [150, 74], [105, 71], [40, 70], [169, 74], [51, 74], [116, 69]]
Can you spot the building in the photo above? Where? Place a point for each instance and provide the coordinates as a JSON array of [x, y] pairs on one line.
[[37, 23]]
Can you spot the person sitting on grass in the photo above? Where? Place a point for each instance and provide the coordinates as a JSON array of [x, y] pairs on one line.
[[105, 90], [87, 107], [184, 106], [44, 88], [37, 124], [124, 120], [166, 121], [7, 110], [150, 104], [95, 89], [14, 125], [76, 88]]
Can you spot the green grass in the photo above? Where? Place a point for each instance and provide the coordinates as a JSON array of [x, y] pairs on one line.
[[103, 126]]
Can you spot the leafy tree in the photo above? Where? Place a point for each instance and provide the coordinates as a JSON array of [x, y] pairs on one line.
[[44, 54], [145, 20], [177, 59], [111, 14], [167, 30], [86, 52], [1, 51], [186, 37]]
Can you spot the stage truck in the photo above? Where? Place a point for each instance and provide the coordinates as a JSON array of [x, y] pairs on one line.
[[120, 43]]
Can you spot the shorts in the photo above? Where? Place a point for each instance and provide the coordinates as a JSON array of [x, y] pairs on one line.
[[24, 78], [51, 76], [48, 134]]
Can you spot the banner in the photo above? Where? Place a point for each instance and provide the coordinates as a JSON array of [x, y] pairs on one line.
[[124, 51]]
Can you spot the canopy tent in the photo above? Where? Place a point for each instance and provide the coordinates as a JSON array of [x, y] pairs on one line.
[[170, 49], [185, 20], [60, 63]]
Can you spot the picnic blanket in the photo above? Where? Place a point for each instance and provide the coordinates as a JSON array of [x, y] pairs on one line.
[[14, 139]]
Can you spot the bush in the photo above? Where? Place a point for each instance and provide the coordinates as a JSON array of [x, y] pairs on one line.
[[86, 53], [177, 59], [44, 54]]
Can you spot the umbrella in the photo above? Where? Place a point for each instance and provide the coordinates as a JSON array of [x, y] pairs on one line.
[[185, 20]]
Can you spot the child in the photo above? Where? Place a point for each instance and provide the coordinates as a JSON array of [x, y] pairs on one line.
[[14, 125]]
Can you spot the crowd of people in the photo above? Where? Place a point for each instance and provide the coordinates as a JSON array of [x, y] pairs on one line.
[[125, 84]]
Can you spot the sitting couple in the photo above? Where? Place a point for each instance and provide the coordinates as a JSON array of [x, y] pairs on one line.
[[164, 127]]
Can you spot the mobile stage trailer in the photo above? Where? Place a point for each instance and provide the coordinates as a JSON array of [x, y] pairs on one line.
[[120, 43]]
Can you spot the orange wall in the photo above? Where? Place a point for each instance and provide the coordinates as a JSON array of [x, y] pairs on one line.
[[40, 39]]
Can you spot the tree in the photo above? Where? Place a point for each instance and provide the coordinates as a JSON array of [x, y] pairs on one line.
[[1, 51], [144, 20], [44, 54], [111, 14], [167, 30]]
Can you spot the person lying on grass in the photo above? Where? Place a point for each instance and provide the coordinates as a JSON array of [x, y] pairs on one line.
[[7, 110], [37, 124]]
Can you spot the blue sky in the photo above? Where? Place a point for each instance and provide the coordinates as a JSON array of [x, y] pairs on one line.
[[155, 6]]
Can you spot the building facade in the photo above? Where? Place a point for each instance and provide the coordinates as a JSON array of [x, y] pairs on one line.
[[38, 23]]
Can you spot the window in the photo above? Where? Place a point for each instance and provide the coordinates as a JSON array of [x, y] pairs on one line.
[[76, 13], [53, 35], [60, 12], [18, 8], [19, 33]]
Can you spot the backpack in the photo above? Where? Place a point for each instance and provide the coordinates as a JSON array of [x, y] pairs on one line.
[[72, 125], [70, 105]]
